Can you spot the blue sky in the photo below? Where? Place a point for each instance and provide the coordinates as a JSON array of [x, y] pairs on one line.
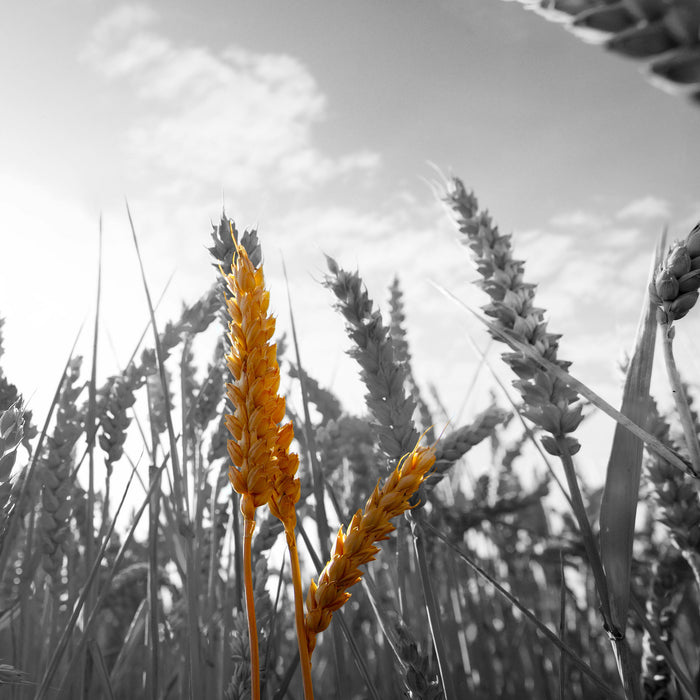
[[319, 122]]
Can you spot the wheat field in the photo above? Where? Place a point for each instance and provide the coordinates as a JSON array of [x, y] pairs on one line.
[[270, 548]]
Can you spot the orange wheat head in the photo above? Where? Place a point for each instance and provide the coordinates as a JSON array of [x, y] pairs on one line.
[[263, 470], [357, 545]]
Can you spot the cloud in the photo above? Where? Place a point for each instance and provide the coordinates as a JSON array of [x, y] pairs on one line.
[[645, 209], [203, 118], [578, 219]]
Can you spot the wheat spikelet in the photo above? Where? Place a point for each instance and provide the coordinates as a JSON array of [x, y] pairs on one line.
[[114, 400], [457, 443], [356, 546], [325, 400], [421, 680]]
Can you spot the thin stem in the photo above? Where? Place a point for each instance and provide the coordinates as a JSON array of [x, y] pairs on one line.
[[299, 616], [617, 636], [530, 616], [628, 677], [589, 542], [431, 607], [562, 627], [250, 610], [153, 681], [237, 563], [679, 396]]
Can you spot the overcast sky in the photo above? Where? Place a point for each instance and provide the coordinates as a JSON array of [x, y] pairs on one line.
[[319, 122]]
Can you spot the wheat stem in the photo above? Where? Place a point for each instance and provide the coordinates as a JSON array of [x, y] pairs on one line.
[[686, 419], [432, 609], [250, 610], [304, 657]]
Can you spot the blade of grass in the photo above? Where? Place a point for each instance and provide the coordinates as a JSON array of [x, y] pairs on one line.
[[185, 529], [322, 524], [130, 648], [153, 681], [78, 651], [432, 610], [70, 626], [618, 508], [102, 672], [317, 472], [90, 433], [575, 658], [562, 627], [177, 476]]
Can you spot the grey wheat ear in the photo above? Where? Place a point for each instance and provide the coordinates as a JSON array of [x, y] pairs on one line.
[[677, 280], [549, 403]]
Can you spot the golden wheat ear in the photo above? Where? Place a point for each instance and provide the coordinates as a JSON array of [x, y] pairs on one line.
[[357, 545]]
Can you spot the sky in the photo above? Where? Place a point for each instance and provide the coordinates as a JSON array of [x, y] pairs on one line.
[[331, 127]]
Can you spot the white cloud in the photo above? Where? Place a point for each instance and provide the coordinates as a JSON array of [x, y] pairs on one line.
[[203, 119], [645, 209], [578, 219]]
